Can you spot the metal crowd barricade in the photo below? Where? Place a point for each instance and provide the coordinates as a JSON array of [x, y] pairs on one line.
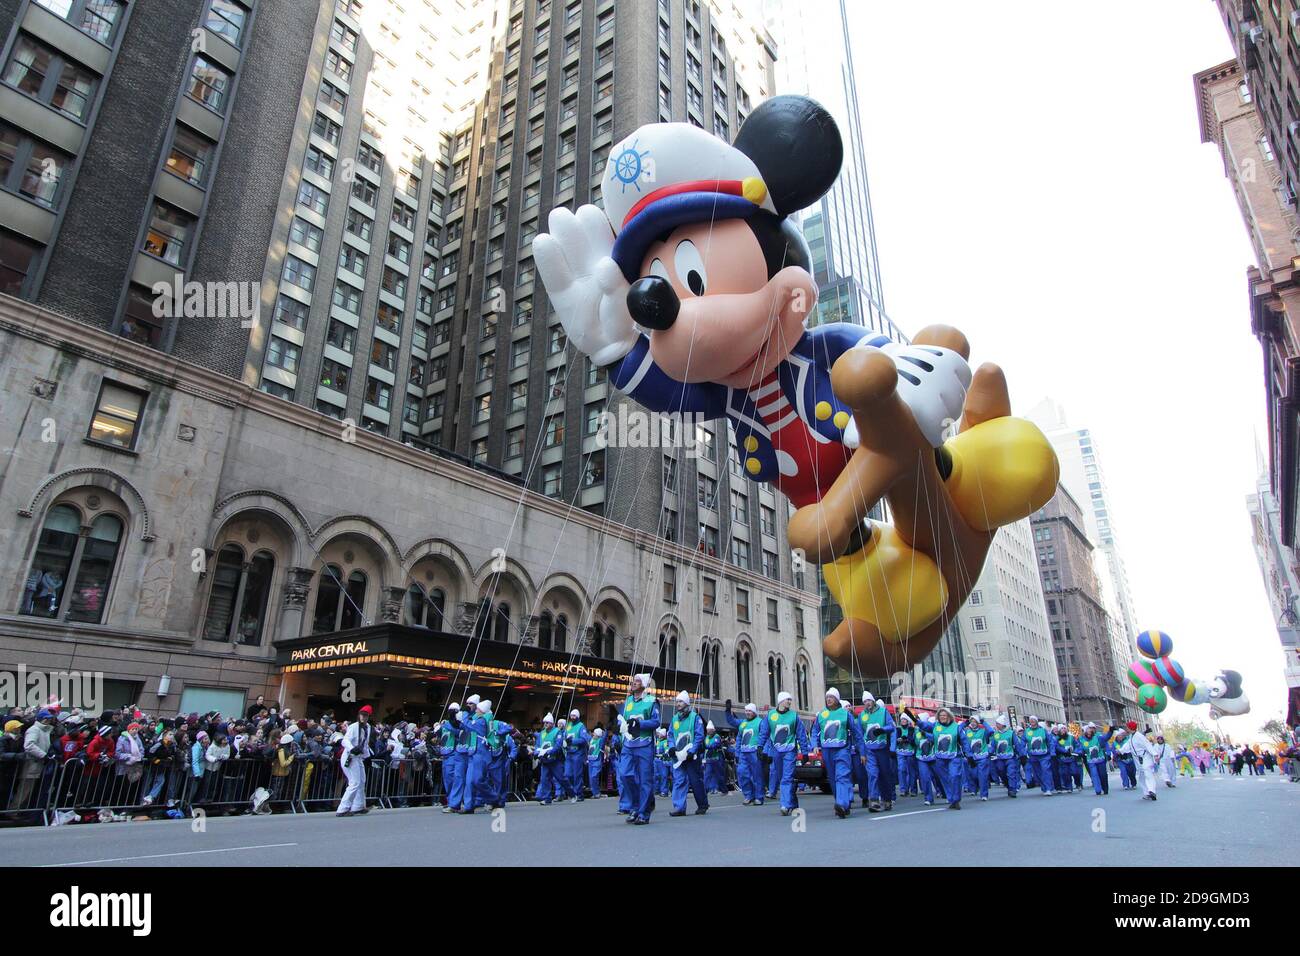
[[320, 785], [230, 785], [25, 788]]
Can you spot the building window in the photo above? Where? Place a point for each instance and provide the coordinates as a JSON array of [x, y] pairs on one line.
[[801, 684], [169, 234], [552, 480], [743, 673], [209, 84], [668, 649], [139, 324], [44, 74], [710, 680], [742, 605], [227, 19], [299, 272], [30, 167], [426, 609], [311, 196], [72, 569], [190, 155], [773, 615], [96, 18], [775, 677], [670, 583], [240, 589], [281, 353], [338, 608], [117, 415], [18, 258]]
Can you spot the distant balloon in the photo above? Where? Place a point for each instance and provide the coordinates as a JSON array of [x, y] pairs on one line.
[[1190, 692], [1227, 699], [1168, 671], [1141, 672], [1152, 698], [1155, 644]]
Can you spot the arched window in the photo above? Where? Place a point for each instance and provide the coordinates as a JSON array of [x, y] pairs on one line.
[[744, 687], [352, 609], [328, 598], [775, 676], [65, 554], [337, 609], [501, 623], [544, 625], [240, 591], [561, 632], [801, 683], [425, 609], [710, 658], [668, 649], [602, 641]]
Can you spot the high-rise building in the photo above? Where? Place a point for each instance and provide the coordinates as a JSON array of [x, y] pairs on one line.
[[1008, 642], [1281, 574], [332, 204], [1086, 657], [1250, 109], [1082, 473]]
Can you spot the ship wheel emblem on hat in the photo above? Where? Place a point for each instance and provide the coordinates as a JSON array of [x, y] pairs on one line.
[[630, 166]]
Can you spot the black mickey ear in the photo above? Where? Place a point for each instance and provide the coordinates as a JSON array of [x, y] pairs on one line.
[[796, 146], [1233, 680]]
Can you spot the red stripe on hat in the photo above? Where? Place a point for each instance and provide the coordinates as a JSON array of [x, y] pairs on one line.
[[730, 186]]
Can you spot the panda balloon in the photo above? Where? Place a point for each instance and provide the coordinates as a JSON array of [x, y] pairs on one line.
[[1227, 699]]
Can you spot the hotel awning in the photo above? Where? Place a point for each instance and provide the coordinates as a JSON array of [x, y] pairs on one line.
[[436, 655]]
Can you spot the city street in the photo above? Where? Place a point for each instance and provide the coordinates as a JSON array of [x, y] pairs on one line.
[[1216, 820]]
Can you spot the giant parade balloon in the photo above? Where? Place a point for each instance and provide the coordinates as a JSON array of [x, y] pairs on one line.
[[693, 286], [1141, 672], [1155, 644], [1168, 671]]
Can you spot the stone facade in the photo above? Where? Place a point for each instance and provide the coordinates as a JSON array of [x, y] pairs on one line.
[[216, 463]]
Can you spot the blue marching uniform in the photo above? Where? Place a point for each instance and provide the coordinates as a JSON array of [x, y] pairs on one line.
[[1124, 761], [749, 768], [1096, 751], [575, 756], [1039, 745], [835, 733], [549, 747], [977, 757], [686, 731], [1008, 747], [450, 765], [877, 733], [497, 742], [595, 762], [931, 781], [908, 774], [475, 727], [663, 767], [715, 763], [785, 737], [949, 752], [636, 766], [458, 762], [1066, 750]]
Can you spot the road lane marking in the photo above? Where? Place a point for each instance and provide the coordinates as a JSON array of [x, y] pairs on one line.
[[157, 856]]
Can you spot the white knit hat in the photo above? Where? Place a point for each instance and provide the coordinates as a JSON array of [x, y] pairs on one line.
[[484, 706], [867, 697], [751, 708], [782, 697], [683, 697], [573, 714], [548, 719], [832, 692], [709, 727]]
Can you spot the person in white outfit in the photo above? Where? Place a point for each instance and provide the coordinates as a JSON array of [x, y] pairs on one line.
[[356, 750], [1166, 768], [1144, 755]]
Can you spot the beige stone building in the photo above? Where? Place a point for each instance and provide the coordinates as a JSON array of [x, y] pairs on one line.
[[200, 542]]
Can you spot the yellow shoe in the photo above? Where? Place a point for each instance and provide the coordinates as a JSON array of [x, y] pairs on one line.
[[887, 583], [1002, 470]]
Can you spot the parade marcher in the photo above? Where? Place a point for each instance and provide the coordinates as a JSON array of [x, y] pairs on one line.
[[686, 737], [459, 763], [834, 731], [641, 719], [1144, 753], [715, 760], [1164, 761], [356, 751], [497, 738], [905, 744], [450, 765], [1094, 749], [978, 744], [1067, 754], [575, 756], [1008, 747], [876, 753], [785, 737], [749, 768], [548, 748], [1122, 745], [949, 751], [663, 763], [929, 773], [1039, 747], [595, 760]]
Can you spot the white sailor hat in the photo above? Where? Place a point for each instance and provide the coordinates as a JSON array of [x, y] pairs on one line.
[[667, 175]]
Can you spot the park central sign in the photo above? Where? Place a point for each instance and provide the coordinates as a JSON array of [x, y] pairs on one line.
[[325, 652], [572, 671]]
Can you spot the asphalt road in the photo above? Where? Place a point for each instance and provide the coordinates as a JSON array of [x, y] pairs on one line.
[[1213, 820]]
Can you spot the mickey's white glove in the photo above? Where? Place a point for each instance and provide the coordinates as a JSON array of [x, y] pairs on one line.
[[932, 382], [585, 285]]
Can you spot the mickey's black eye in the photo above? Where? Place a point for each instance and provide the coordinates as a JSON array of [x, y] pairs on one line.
[[690, 267]]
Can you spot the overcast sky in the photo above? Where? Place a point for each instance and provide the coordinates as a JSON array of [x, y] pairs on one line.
[[1038, 180]]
